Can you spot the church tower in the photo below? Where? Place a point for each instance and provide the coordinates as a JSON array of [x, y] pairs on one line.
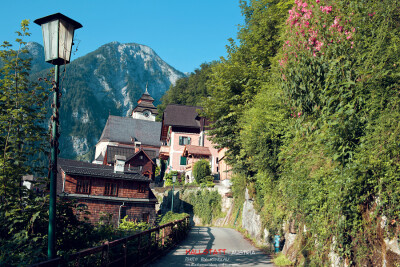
[[145, 110]]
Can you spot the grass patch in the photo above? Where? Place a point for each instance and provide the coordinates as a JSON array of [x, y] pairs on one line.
[[281, 260]]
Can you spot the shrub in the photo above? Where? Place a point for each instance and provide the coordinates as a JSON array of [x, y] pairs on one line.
[[201, 169], [281, 260], [127, 226], [209, 181], [180, 179]]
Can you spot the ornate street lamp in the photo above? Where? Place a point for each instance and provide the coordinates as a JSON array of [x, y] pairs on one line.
[[173, 189], [58, 34]]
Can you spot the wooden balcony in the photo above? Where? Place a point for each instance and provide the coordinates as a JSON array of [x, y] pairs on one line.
[[164, 152]]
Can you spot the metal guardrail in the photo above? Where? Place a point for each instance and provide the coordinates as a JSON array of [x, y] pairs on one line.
[[133, 250]]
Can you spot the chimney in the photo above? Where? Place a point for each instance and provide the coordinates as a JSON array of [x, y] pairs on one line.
[[119, 163], [137, 146]]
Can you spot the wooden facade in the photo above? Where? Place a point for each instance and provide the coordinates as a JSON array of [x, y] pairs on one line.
[[102, 191], [142, 162]]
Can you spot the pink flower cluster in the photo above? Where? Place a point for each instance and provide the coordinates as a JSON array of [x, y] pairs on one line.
[[304, 30], [326, 9], [299, 20], [294, 115]]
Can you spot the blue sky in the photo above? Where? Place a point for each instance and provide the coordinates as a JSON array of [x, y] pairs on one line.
[[184, 33]]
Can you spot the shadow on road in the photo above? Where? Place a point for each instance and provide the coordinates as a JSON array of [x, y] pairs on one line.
[[211, 240]]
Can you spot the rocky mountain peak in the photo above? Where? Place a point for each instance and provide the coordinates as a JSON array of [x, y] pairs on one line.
[[106, 81]]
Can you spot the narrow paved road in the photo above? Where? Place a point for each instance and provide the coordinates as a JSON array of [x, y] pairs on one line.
[[213, 246]]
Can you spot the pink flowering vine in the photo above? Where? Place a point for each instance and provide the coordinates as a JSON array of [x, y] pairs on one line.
[[303, 24], [326, 9]]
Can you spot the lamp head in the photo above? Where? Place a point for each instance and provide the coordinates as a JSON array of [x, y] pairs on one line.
[[58, 34]]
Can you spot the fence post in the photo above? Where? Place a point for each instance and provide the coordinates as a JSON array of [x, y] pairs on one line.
[[125, 247], [163, 237], [157, 238], [104, 256], [77, 262], [140, 245], [175, 232]]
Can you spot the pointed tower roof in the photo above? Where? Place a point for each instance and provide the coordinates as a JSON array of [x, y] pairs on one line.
[[146, 96], [145, 102]]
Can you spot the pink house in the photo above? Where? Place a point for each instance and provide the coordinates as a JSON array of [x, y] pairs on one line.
[[185, 140]]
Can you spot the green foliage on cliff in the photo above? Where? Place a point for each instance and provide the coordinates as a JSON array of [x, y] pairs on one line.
[[308, 105], [206, 205], [188, 90], [170, 217], [237, 79]]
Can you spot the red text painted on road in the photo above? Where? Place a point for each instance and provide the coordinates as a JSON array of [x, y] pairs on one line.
[[205, 251]]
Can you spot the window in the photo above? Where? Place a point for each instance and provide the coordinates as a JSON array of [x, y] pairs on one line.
[[123, 212], [184, 140], [142, 188], [83, 186], [110, 189], [183, 160]]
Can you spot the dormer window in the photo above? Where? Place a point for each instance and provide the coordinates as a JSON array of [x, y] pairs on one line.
[[119, 163], [184, 140]]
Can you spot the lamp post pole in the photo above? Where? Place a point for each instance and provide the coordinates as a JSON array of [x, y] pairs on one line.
[[58, 33], [51, 251], [173, 189]]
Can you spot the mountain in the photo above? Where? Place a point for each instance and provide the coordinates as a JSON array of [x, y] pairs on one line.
[[107, 81], [36, 52]]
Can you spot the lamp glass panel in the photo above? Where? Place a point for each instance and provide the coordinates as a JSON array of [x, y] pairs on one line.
[[66, 37], [50, 40], [174, 178]]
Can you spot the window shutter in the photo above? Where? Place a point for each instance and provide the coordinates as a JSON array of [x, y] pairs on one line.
[[180, 140], [183, 160], [189, 139]]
